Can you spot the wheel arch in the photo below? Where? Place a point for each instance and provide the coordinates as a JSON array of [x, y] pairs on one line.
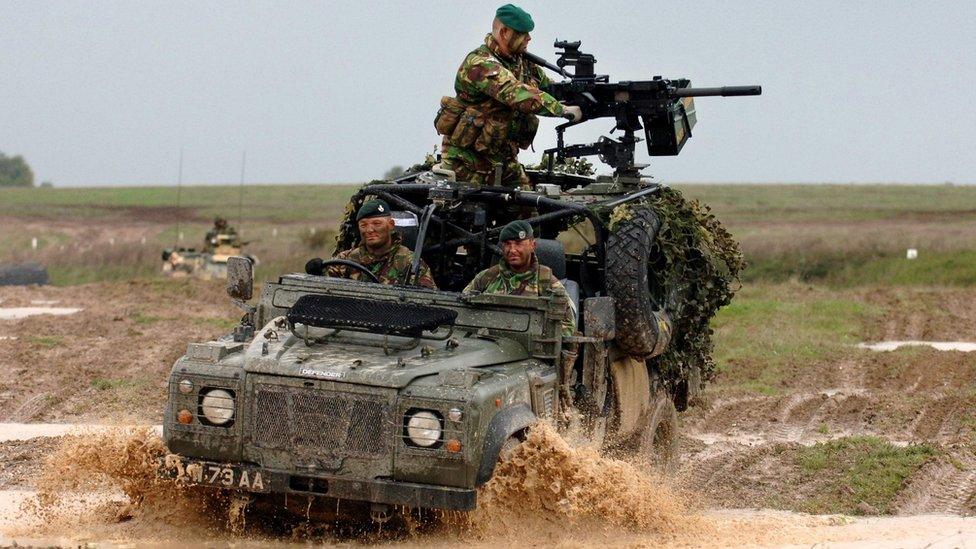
[[503, 425]]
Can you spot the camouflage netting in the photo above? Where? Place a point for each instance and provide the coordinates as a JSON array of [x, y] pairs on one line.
[[697, 270]]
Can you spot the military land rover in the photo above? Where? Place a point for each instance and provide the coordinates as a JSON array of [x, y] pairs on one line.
[[396, 395], [207, 263]]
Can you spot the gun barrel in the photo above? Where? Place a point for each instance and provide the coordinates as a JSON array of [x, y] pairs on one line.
[[724, 91], [543, 63]]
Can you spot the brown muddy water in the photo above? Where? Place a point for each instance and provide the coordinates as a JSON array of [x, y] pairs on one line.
[[101, 488]]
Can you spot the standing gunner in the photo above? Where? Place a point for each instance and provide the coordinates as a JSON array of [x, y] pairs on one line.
[[494, 113]]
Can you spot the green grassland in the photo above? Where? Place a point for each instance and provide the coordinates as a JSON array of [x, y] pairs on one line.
[[770, 331], [734, 203], [272, 203], [814, 203], [858, 470], [838, 235]]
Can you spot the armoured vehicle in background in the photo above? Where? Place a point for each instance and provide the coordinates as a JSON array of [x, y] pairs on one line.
[[181, 262], [396, 395]]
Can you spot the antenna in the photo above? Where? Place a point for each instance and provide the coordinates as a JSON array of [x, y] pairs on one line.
[[179, 190], [240, 194]]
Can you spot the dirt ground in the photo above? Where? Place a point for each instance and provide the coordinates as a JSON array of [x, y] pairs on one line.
[[741, 452], [107, 363]]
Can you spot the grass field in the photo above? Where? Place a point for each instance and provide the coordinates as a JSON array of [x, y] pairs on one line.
[[840, 235], [269, 203]]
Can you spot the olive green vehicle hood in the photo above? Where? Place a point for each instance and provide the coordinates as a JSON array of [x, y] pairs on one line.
[[360, 358]]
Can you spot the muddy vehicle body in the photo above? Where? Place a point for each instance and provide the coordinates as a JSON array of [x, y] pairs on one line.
[[207, 264], [399, 395], [334, 389]]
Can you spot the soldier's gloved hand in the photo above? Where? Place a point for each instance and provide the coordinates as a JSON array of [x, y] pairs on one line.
[[572, 113]]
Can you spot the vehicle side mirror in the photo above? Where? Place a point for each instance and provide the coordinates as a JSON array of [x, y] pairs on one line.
[[599, 320], [240, 278]]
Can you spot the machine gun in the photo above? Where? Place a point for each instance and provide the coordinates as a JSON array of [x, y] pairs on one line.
[[664, 109]]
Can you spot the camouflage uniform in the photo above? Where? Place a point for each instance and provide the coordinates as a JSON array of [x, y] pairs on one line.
[[390, 268], [537, 280], [212, 234], [493, 116]]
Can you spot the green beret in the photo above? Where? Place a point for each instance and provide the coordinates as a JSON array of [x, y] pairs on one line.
[[516, 230], [374, 208], [515, 18]]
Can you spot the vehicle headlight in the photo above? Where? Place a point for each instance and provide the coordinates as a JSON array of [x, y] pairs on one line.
[[424, 429], [217, 406], [186, 386]]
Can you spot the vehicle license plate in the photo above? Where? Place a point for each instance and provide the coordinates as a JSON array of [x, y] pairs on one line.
[[226, 476]]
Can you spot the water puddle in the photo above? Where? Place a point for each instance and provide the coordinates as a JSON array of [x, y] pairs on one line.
[[17, 313], [963, 346]]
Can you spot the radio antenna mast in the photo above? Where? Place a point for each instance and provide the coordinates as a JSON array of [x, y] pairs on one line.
[[179, 191], [240, 194]]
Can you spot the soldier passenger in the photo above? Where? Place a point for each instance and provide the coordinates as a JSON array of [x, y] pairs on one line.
[[520, 273]]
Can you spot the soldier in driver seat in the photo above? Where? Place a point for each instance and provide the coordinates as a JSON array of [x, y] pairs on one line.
[[380, 250]]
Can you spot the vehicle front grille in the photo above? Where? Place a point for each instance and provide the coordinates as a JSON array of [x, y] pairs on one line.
[[321, 423]]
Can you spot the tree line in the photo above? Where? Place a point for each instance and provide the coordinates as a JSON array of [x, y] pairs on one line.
[[15, 172]]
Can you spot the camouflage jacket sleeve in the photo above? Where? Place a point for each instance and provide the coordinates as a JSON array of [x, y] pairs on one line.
[[426, 278], [484, 74], [568, 323], [478, 283], [338, 271], [540, 75], [398, 267]]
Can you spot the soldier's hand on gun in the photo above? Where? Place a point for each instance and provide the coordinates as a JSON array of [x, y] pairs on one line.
[[572, 113]]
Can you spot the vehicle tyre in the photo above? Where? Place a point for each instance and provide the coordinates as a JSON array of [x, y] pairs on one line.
[[659, 440], [632, 262], [511, 443]]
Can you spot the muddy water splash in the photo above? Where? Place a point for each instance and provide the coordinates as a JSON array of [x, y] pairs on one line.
[[94, 485], [125, 459], [545, 490], [546, 486]]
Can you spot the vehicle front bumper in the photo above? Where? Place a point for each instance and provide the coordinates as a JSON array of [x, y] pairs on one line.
[[252, 478]]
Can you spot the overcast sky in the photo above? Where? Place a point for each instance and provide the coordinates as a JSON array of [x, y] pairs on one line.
[[106, 93]]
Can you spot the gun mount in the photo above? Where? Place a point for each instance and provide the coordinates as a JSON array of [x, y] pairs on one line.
[[664, 109]]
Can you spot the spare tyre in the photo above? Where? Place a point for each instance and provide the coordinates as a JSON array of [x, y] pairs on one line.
[[23, 274], [643, 325]]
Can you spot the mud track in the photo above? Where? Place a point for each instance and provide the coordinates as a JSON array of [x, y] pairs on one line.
[[108, 364], [740, 450]]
